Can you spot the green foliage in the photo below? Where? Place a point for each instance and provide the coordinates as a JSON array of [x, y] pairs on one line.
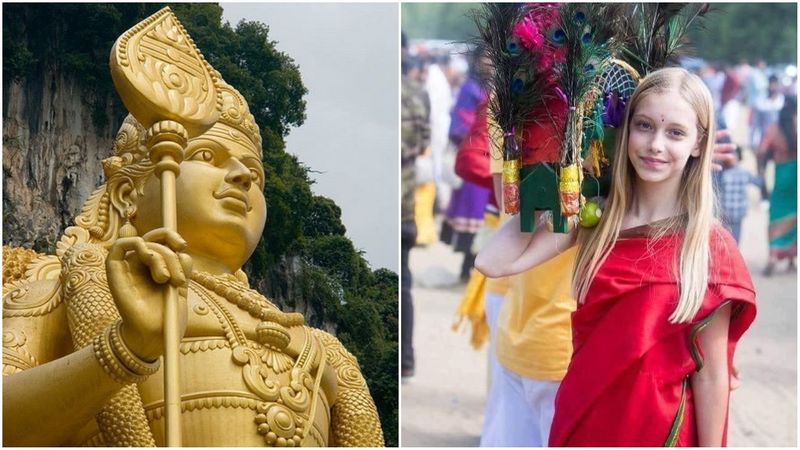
[[735, 31], [324, 218], [338, 255], [318, 288], [248, 60], [303, 259], [449, 21]]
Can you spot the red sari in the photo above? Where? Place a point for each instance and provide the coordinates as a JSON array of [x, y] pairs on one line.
[[627, 383]]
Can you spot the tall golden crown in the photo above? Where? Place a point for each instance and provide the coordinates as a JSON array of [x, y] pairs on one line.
[[129, 144], [160, 74], [236, 113]]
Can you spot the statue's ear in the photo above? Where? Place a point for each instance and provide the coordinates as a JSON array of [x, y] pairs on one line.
[[123, 197]]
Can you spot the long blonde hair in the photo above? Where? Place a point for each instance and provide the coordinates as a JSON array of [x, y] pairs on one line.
[[696, 198]]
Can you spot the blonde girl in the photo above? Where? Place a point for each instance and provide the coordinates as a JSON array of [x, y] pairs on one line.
[[663, 293]]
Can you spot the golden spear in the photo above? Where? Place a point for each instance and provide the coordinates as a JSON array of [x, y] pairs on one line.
[[167, 85]]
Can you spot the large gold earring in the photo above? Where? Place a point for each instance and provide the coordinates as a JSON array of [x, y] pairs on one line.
[[127, 229]]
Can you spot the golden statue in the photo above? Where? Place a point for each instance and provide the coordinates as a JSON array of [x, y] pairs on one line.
[[151, 272]]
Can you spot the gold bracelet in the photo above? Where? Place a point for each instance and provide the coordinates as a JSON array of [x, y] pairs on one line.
[[131, 362], [110, 363]]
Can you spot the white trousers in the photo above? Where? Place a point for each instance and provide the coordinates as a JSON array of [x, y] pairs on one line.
[[519, 410], [493, 304]]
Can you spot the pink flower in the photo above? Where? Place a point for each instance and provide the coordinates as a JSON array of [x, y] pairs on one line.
[[528, 34]]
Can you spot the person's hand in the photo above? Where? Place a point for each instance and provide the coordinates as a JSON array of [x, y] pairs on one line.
[[140, 270], [722, 152]]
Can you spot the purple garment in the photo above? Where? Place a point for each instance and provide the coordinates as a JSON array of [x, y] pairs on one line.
[[463, 114], [467, 205]]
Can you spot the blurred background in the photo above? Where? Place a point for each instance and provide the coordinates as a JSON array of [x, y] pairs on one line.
[[747, 55]]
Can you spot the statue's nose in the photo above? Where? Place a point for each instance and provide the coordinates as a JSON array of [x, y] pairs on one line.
[[239, 174]]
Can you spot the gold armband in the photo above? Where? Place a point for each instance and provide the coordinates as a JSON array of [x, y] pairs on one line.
[[117, 359]]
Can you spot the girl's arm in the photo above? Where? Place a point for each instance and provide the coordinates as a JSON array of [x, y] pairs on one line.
[[710, 385], [511, 251]]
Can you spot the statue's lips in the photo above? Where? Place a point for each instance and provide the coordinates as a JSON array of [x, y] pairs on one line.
[[241, 201]]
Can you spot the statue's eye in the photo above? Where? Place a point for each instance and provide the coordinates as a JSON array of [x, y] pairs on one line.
[[203, 155], [255, 176]]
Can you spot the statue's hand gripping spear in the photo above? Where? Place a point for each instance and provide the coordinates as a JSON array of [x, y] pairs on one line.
[[167, 85]]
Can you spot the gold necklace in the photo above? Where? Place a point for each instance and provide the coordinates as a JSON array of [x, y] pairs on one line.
[[272, 331], [285, 414]]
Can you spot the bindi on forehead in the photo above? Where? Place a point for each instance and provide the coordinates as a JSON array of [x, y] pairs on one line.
[[665, 110]]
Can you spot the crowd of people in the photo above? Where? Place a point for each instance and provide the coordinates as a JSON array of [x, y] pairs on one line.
[[764, 100], [540, 392]]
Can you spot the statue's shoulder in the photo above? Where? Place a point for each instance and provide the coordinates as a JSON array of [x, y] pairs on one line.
[[348, 371], [36, 288], [337, 353], [35, 328], [30, 282], [355, 417]]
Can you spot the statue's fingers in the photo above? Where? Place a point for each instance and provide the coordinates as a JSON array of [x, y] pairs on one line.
[[158, 268], [124, 245], [171, 265], [186, 263], [132, 249], [167, 237]]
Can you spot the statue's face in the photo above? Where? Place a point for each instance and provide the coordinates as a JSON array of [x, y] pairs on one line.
[[220, 201]]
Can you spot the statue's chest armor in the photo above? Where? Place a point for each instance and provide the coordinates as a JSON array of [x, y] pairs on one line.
[[237, 391]]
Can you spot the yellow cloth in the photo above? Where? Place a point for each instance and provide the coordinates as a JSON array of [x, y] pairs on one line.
[[473, 303], [473, 308], [534, 337], [424, 196]]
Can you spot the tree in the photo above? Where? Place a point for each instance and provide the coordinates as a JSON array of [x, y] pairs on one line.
[[751, 31], [449, 21]]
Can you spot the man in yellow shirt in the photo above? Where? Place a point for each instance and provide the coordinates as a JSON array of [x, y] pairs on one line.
[[533, 346]]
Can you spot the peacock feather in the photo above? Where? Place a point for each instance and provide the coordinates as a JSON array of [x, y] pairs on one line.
[[655, 34], [587, 34], [522, 81], [586, 31]]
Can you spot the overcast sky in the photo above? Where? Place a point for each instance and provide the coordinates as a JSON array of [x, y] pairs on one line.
[[348, 59]]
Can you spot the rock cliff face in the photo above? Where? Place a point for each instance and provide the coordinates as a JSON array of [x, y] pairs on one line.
[[52, 153]]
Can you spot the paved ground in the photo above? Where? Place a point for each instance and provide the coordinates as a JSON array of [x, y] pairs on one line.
[[443, 405]]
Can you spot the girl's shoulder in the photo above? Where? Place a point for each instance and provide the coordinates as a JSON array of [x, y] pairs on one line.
[[721, 238], [726, 262]]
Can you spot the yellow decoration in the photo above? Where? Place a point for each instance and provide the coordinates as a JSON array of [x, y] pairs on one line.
[[247, 374], [569, 188], [511, 171], [596, 156], [570, 178]]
